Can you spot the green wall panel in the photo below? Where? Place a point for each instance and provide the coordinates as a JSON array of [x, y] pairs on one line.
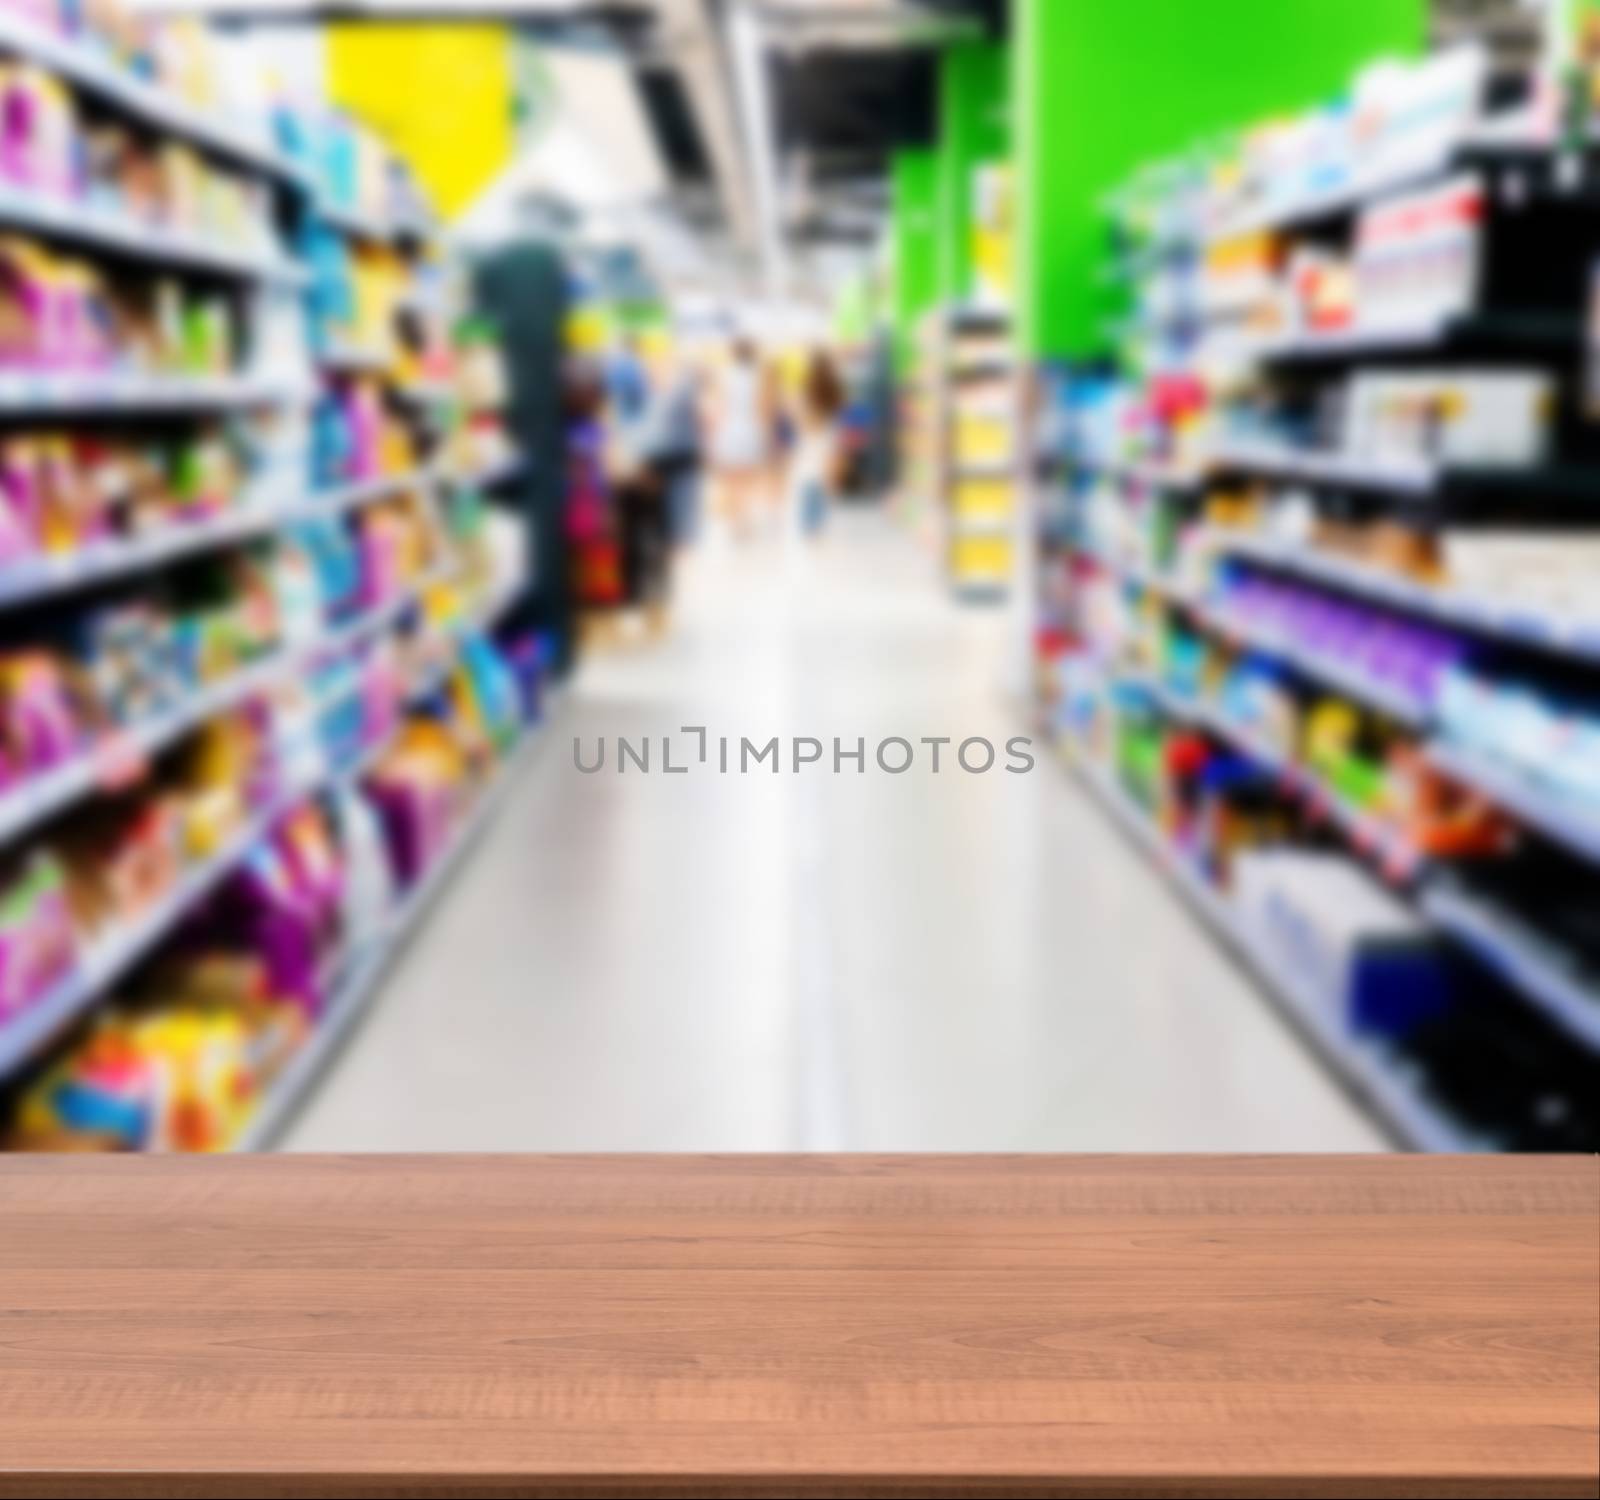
[[974, 127], [915, 228], [1102, 86]]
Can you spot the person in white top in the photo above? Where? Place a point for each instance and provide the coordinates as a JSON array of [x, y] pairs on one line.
[[741, 433]]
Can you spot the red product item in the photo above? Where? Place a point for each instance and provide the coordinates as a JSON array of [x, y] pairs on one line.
[[1175, 397], [1459, 204], [1323, 291], [1186, 756]]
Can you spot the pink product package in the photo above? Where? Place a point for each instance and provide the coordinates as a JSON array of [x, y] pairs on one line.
[[19, 510], [25, 305], [78, 339], [39, 724], [417, 823], [382, 574], [45, 15], [37, 944], [36, 138], [364, 414], [382, 695], [50, 321]]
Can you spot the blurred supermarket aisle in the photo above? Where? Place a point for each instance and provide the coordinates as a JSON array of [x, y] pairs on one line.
[[815, 961]]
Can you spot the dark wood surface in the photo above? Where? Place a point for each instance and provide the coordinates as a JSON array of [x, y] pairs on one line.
[[798, 1326]]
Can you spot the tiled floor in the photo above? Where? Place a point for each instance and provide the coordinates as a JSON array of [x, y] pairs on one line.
[[811, 960]]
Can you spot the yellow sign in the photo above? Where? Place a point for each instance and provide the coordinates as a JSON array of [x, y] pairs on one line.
[[440, 93]]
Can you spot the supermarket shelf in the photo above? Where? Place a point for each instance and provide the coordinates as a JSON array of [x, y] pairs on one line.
[[355, 359], [41, 796], [1307, 208], [38, 797], [1524, 625], [480, 618], [1142, 575], [1395, 855], [1492, 142], [1336, 673], [78, 64], [1151, 473], [381, 229], [294, 1084], [23, 1035], [83, 224], [1429, 334], [1412, 477], [355, 222], [1516, 792], [21, 1038], [44, 392], [43, 577], [1531, 964], [1402, 477], [1388, 1089]]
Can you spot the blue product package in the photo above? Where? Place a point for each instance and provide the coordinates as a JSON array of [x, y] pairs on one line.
[[1395, 987]]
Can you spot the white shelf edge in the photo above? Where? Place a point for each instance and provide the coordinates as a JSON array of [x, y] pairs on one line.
[[1565, 998], [1515, 792], [41, 577], [49, 392], [1408, 478], [360, 224], [84, 224]]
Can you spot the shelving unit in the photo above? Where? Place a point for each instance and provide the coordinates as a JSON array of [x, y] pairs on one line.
[[76, 63], [1378, 1080], [1182, 455], [976, 421], [267, 282], [95, 229], [365, 970], [41, 577], [49, 394]]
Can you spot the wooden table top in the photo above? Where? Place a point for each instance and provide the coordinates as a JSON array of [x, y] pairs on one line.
[[815, 1325]]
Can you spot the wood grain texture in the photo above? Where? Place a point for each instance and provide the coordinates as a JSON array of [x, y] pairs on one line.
[[799, 1326]]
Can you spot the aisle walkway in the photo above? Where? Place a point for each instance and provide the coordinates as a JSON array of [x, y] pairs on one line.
[[815, 961]]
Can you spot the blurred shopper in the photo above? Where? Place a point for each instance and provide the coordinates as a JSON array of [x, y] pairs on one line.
[[641, 498], [671, 446], [742, 434], [813, 470], [627, 384]]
